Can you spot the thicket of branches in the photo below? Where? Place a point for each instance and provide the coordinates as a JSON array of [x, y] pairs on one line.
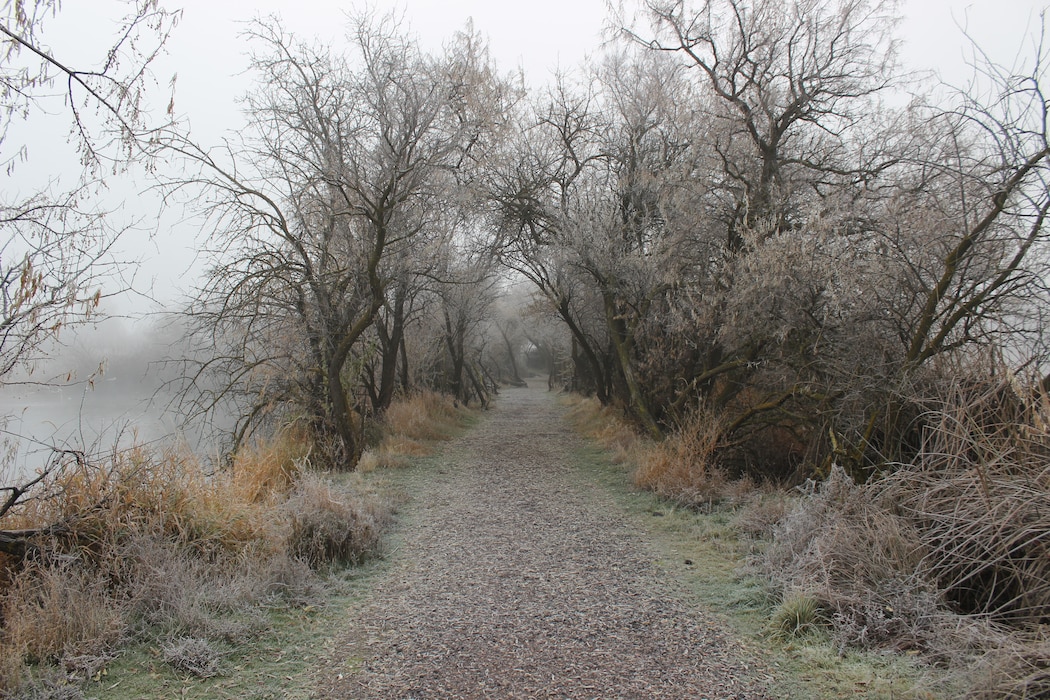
[[730, 217]]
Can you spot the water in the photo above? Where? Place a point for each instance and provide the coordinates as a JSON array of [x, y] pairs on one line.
[[114, 414], [118, 401]]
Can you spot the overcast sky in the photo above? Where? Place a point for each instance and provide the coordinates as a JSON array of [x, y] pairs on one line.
[[208, 55]]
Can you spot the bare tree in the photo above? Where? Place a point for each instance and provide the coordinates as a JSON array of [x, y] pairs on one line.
[[788, 81], [55, 244], [316, 216]]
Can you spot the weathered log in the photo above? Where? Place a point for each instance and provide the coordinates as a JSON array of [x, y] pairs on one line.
[[22, 543]]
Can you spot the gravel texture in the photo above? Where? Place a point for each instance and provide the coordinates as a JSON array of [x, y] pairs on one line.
[[516, 577]]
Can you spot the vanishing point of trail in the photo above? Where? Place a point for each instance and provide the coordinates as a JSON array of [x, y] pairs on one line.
[[516, 577]]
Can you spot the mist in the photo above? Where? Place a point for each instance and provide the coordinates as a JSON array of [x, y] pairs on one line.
[[103, 387]]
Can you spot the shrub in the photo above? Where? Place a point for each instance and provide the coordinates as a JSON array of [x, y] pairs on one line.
[[843, 544], [192, 656], [331, 526]]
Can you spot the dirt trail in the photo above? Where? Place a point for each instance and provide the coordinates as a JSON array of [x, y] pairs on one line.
[[517, 578]]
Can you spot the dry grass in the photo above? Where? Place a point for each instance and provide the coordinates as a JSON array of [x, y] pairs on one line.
[[947, 555], [605, 426], [266, 472], [330, 526], [1016, 669], [410, 427], [846, 548], [59, 609], [762, 511], [980, 495], [684, 467], [148, 546], [193, 656]]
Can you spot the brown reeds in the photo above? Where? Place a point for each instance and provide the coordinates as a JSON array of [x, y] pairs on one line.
[[980, 495], [605, 426], [148, 546], [949, 554], [684, 467]]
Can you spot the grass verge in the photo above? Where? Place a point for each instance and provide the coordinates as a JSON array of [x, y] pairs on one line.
[[177, 584], [708, 550]]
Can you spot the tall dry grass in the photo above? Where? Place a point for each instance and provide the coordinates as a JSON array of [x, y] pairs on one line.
[[411, 426], [684, 467], [949, 554], [980, 495], [605, 426], [149, 546], [844, 546]]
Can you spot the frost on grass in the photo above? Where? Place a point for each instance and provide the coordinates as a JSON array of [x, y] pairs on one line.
[[193, 656]]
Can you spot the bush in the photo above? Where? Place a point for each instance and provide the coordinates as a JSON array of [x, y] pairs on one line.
[[843, 544], [331, 526]]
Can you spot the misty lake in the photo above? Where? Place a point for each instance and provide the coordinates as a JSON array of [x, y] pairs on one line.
[[94, 420], [122, 406]]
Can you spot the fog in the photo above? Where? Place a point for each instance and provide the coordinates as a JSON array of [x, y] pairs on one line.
[[105, 387]]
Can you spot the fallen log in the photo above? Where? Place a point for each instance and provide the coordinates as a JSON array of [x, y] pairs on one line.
[[23, 543]]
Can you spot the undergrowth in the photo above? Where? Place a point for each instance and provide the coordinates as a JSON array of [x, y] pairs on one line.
[[146, 550], [942, 560], [411, 426], [712, 544]]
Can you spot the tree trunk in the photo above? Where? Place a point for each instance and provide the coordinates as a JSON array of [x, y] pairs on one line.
[[622, 341]]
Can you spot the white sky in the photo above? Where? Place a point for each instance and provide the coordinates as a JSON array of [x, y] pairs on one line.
[[207, 54]]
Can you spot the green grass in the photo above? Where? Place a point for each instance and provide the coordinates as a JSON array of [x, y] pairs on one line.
[[276, 663], [707, 555]]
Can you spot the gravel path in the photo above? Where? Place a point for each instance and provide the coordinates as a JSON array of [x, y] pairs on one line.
[[517, 578]]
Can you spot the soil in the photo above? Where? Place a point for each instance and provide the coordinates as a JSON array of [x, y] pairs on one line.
[[516, 576]]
